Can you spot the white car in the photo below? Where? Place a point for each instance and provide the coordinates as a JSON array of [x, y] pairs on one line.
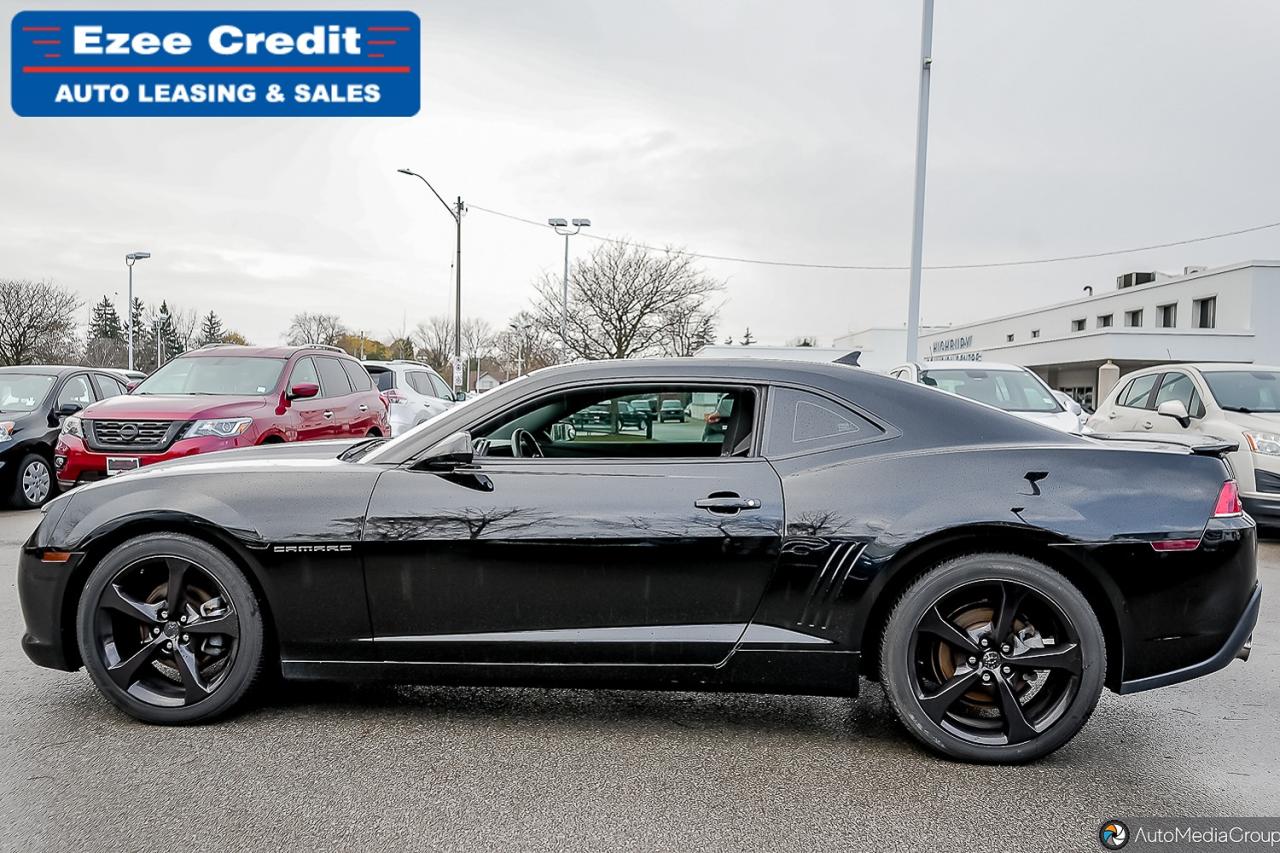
[[1236, 402], [1010, 387], [414, 392]]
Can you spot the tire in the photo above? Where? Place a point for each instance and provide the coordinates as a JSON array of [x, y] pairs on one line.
[[1001, 699], [33, 482], [207, 670]]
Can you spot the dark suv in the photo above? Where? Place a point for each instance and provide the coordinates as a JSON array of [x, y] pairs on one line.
[[220, 397]]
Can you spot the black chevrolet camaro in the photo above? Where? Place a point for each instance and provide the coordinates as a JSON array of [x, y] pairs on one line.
[[993, 574]]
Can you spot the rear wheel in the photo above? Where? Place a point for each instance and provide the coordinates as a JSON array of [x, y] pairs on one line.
[[170, 630], [993, 658]]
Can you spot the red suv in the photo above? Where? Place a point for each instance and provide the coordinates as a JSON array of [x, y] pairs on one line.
[[219, 397]]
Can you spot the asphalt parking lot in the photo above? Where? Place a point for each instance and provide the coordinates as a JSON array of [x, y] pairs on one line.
[[433, 768]]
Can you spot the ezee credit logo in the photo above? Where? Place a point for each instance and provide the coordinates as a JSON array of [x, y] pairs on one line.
[[215, 63]]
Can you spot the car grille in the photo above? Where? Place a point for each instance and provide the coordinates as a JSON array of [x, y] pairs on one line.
[[130, 435]]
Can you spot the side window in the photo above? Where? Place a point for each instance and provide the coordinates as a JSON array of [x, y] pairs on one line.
[[304, 372], [76, 390], [602, 423], [1176, 386], [1136, 395], [441, 390], [358, 375], [333, 379], [108, 386], [421, 382], [799, 422]]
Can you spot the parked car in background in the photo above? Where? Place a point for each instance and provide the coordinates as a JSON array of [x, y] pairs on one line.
[[414, 391], [130, 378], [34, 402], [1010, 387], [600, 416], [218, 397], [1236, 402], [671, 410], [1069, 403]]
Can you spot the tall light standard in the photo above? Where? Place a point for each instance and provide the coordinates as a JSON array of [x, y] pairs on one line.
[[456, 213], [129, 260], [922, 146], [562, 228]]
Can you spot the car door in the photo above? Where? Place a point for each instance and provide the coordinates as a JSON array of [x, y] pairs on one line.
[[308, 412], [340, 414], [366, 401], [1132, 405], [641, 550], [75, 391]]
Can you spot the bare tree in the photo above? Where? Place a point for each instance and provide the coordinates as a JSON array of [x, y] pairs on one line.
[[526, 345], [308, 328], [37, 322], [434, 338], [685, 334], [624, 300], [477, 337]]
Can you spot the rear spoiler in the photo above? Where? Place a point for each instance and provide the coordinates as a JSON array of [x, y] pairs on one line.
[[1200, 445]]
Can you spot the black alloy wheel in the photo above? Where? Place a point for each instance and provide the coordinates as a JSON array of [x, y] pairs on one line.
[[170, 630], [993, 657]]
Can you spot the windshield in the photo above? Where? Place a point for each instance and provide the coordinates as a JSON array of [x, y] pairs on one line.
[[1011, 390], [23, 392], [1245, 390], [230, 375]]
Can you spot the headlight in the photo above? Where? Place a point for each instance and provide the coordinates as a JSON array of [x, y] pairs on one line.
[[6, 431], [1267, 443], [222, 428], [72, 426]]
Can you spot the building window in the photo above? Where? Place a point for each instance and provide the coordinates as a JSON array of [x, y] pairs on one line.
[[1104, 321], [1205, 312], [1133, 319], [1009, 338], [1035, 333], [1077, 325], [1168, 315]]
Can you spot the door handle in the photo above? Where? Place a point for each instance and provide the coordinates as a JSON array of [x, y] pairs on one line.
[[328, 414], [363, 407], [727, 504], [1112, 415], [1148, 425]]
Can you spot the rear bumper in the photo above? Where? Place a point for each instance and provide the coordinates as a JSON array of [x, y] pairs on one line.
[[1237, 646]]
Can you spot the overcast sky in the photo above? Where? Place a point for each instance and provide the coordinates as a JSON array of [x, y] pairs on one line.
[[767, 130]]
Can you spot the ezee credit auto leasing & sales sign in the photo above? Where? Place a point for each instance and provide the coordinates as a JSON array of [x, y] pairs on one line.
[[234, 63]]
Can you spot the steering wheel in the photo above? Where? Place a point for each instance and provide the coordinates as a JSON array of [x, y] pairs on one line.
[[524, 445]]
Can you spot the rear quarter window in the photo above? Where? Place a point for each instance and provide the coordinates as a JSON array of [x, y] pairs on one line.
[[803, 422], [358, 375]]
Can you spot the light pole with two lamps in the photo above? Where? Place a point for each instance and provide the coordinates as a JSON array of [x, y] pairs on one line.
[[562, 228], [129, 260]]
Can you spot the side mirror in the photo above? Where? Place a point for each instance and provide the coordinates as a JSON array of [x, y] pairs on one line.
[[1177, 410], [131, 385], [449, 453], [459, 396], [303, 391], [67, 409]]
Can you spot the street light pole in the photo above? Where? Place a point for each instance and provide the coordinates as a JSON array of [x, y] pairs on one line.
[[129, 260], [562, 227], [922, 145], [457, 266]]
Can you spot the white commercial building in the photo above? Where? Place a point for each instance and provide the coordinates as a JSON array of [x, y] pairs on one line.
[[1227, 314]]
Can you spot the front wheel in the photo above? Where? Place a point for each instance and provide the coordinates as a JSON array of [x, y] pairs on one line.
[[993, 658], [33, 482], [170, 630]]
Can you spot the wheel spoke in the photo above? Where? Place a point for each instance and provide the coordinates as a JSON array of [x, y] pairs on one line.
[[114, 598], [125, 673], [1016, 725], [933, 623], [195, 687], [1065, 657], [1011, 596], [174, 591], [935, 705], [226, 624]]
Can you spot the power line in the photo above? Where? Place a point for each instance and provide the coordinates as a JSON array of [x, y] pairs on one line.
[[887, 268]]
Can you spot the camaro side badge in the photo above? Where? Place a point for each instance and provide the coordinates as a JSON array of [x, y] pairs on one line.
[[311, 549]]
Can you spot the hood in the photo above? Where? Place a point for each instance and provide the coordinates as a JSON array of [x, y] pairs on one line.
[[176, 407], [1257, 421], [1064, 421]]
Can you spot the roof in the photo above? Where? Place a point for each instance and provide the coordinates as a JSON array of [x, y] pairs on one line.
[[1209, 366], [50, 369], [262, 352]]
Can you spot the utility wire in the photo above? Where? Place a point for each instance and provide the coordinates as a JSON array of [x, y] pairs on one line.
[[883, 268]]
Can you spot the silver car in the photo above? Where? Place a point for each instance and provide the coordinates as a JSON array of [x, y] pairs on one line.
[[414, 391]]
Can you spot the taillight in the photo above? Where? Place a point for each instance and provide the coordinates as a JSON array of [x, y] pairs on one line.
[[1228, 504], [393, 396]]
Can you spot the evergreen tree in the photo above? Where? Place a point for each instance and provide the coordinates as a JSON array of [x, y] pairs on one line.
[[211, 331], [748, 339], [166, 328], [105, 324]]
